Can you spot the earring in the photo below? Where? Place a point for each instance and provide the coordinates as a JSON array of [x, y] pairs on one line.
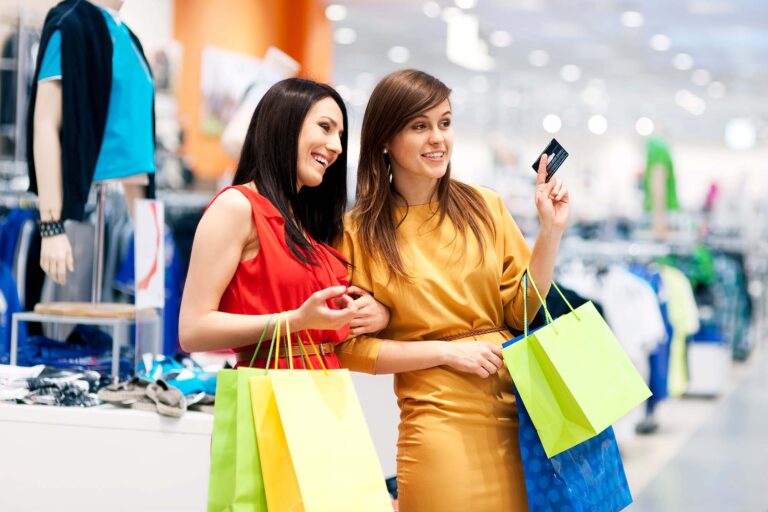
[[385, 151]]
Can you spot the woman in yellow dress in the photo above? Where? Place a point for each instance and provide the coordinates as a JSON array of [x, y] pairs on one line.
[[447, 259]]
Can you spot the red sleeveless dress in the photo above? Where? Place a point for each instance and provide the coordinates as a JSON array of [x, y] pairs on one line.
[[275, 280]]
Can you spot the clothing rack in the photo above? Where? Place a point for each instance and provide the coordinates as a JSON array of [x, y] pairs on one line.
[[23, 200]]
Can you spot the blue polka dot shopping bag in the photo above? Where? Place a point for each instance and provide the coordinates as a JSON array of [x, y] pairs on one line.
[[586, 478]]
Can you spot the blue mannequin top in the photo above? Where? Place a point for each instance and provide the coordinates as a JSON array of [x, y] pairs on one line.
[[127, 147]]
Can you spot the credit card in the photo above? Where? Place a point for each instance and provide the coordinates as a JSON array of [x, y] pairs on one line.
[[556, 155]]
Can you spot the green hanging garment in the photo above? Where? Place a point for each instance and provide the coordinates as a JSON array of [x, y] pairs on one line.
[[658, 154]]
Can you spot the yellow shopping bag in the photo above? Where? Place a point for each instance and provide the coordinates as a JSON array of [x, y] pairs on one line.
[[316, 452]]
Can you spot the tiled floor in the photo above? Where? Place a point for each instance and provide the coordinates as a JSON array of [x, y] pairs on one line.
[[708, 455]]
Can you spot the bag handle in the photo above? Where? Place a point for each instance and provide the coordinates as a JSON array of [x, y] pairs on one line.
[[303, 352], [261, 339], [289, 346], [548, 316]]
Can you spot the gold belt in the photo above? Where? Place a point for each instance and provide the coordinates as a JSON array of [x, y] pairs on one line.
[[476, 332]]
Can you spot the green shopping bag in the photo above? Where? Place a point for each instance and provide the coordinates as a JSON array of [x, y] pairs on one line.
[[572, 375], [235, 483]]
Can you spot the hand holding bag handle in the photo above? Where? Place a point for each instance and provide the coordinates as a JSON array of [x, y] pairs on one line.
[[275, 342], [547, 314]]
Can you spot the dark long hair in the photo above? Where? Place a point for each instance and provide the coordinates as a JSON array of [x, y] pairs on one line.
[[396, 99], [269, 157]]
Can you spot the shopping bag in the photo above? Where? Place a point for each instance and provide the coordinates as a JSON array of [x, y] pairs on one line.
[[588, 477], [235, 483], [316, 452], [572, 375]]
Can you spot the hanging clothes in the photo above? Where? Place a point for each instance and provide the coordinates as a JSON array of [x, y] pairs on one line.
[[632, 310], [658, 360], [9, 304], [684, 317]]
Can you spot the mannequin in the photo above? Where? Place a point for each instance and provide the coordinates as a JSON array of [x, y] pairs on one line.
[[111, 134], [659, 184]]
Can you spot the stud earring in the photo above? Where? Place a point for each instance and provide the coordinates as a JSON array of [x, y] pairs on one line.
[[385, 151]]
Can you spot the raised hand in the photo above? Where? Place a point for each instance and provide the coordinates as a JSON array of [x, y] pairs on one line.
[[551, 198]]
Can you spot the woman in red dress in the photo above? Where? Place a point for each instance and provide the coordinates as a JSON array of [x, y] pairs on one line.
[[263, 245]]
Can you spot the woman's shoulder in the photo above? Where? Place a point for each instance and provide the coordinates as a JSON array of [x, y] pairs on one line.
[[491, 197], [231, 201]]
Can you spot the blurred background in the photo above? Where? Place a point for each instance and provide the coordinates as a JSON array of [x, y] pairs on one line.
[[661, 105]]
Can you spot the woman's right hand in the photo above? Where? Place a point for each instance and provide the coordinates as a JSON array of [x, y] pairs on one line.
[[315, 313], [481, 358]]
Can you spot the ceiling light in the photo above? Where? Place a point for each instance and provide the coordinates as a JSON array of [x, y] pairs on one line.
[[399, 54], [552, 123], [644, 126], [432, 9], [632, 19], [690, 102], [701, 77], [740, 133], [698, 107], [500, 38], [682, 96], [716, 90], [570, 73], [335, 12], [345, 35], [538, 58], [450, 12], [683, 61], [597, 124], [660, 43], [465, 4], [463, 44]]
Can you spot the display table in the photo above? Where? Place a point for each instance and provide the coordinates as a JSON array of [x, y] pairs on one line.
[[102, 458], [119, 318]]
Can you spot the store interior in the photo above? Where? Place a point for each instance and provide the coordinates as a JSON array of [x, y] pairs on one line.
[[624, 87]]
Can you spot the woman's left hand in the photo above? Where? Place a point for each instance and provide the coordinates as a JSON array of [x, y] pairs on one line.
[[551, 198], [372, 316]]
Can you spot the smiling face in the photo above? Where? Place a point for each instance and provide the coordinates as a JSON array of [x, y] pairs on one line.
[[423, 147], [319, 142]]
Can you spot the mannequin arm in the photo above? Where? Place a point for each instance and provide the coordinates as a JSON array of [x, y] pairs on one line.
[[47, 149], [55, 251]]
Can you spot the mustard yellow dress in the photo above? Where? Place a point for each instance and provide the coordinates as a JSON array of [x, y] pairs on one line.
[[457, 448]]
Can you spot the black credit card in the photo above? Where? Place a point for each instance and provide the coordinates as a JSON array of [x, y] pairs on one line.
[[556, 155]]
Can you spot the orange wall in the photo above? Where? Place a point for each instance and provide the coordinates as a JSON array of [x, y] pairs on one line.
[[298, 27]]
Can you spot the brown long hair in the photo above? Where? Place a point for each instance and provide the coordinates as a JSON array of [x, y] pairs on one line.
[[397, 99]]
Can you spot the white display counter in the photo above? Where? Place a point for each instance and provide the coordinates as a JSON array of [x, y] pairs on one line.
[[102, 459]]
